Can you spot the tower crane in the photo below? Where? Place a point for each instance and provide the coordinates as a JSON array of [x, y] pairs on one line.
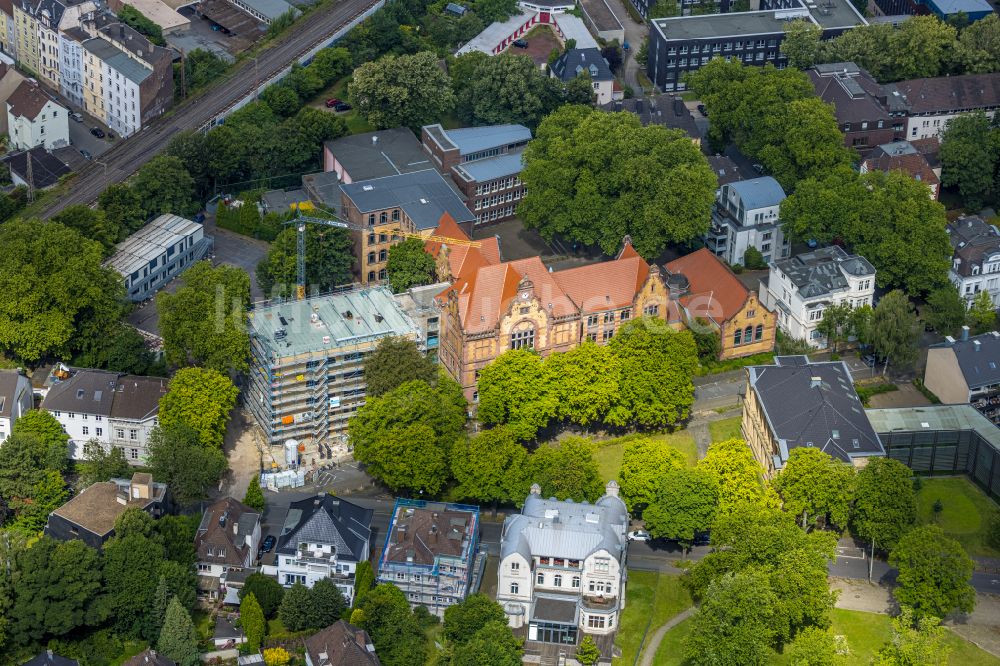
[[300, 221]]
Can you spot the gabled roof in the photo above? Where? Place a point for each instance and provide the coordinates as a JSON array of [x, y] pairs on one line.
[[149, 658], [84, 392], [226, 527], [574, 62], [902, 156], [665, 110], [759, 192], [341, 644], [944, 93], [978, 358], [972, 240], [28, 100], [422, 534], [852, 91], [46, 168], [49, 658], [717, 292], [327, 519], [9, 381]]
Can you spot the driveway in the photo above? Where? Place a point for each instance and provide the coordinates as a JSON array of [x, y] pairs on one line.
[[235, 249], [635, 35]]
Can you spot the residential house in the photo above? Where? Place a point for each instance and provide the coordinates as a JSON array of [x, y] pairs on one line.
[[801, 288], [323, 537], [975, 263], [54, 16], [562, 567], [340, 644], [967, 371], [72, 56], [157, 253], [35, 119], [15, 399], [111, 408], [149, 658], [90, 515], [226, 634], [36, 168], [589, 63], [492, 306], [10, 79], [855, 97], [26, 35], [50, 658], [928, 104], [227, 537], [409, 202], [798, 402], [903, 156], [8, 33], [745, 215], [388, 152], [430, 552], [711, 296], [484, 162], [666, 110], [726, 170]]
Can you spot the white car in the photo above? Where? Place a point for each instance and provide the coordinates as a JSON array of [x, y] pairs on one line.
[[639, 535]]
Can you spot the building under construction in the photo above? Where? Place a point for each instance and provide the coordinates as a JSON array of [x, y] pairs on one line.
[[307, 368]]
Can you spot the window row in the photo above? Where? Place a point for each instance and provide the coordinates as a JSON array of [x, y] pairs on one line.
[[495, 214], [719, 47], [748, 335], [498, 199], [383, 218], [498, 184]]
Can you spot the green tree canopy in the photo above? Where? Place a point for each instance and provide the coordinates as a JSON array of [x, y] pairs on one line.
[[178, 639], [978, 48], [179, 459], [507, 88], [970, 151], [895, 331], [329, 257], [567, 470], [983, 313], [295, 610], [164, 185], [409, 265], [579, 398], [814, 486], [493, 645], [490, 467], [133, 521], [737, 475], [733, 625], [463, 620], [394, 362], [645, 462], [252, 621], [130, 596], [267, 591], [399, 640], [597, 177], [801, 43], [946, 310], [200, 399], [934, 573], [122, 208], [884, 503], [254, 497], [914, 641], [408, 90], [814, 647], [683, 505], [513, 391]]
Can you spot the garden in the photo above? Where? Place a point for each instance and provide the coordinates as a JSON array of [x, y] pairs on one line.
[[963, 511]]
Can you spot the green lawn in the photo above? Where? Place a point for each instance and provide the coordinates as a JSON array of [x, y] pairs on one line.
[[966, 512], [865, 632], [650, 598], [725, 429], [356, 124], [609, 453]]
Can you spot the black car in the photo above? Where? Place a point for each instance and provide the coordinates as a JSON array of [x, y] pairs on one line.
[[98, 132], [268, 544], [342, 106], [521, 43], [86, 154], [702, 110]]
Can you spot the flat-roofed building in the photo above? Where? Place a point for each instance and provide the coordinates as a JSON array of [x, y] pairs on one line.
[[157, 253], [307, 360], [370, 155]]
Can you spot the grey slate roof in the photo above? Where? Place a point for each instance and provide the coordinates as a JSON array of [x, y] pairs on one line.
[[49, 658], [328, 520], [943, 94], [813, 404], [341, 644], [393, 151], [9, 380], [85, 392], [978, 358], [566, 529], [726, 170], [137, 398], [821, 271], [972, 240], [574, 62], [665, 110], [423, 195], [759, 192]]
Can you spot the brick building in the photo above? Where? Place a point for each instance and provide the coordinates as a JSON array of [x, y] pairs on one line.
[[855, 96]]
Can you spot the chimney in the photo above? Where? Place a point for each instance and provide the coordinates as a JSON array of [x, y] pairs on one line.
[[611, 490], [374, 139], [815, 382], [965, 333], [536, 489], [976, 345]]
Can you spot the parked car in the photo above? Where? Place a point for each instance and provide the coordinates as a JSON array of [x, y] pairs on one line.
[[98, 132], [639, 535], [521, 43], [702, 110], [625, 46], [77, 116], [759, 168], [86, 154], [199, 218], [343, 106], [332, 102], [702, 538], [268, 545]]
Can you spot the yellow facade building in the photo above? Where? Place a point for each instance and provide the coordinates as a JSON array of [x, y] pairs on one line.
[[26, 35]]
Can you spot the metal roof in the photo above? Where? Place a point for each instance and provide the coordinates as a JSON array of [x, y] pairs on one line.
[[131, 69], [470, 140], [827, 14], [970, 7], [936, 417], [423, 195], [272, 9], [759, 192], [573, 27], [150, 242], [491, 168], [379, 154]]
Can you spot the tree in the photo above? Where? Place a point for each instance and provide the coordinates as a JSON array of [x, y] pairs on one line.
[[178, 639], [884, 504], [201, 399], [645, 461], [978, 48], [177, 458], [733, 624], [835, 324], [364, 581], [914, 641], [567, 470], [463, 620], [801, 43], [277, 656], [683, 506], [122, 208], [982, 313], [296, 610], [158, 610], [753, 259], [409, 265], [163, 185], [494, 644], [707, 340], [182, 582], [130, 596], [91, 224], [814, 647], [254, 497], [573, 377], [588, 654], [50, 434], [737, 475], [252, 621], [513, 391], [53, 290], [282, 99], [895, 331], [598, 177], [934, 573], [970, 150], [507, 88], [814, 486], [406, 90], [655, 365], [327, 603], [398, 639], [328, 261], [394, 362], [266, 590], [47, 495], [804, 598], [946, 310], [133, 521], [177, 535], [490, 467]]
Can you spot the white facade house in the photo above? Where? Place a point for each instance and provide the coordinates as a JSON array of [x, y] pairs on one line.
[[745, 215], [930, 103], [110, 407], [15, 399], [323, 537], [123, 77], [801, 288], [562, 566], [71, 58], [975, 264], [35, 119], [590, 63]]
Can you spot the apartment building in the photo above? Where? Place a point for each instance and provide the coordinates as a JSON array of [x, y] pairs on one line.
[[967, 371], [111, 408], [15, 399], [307, 360], [798, 402], [928, 104], [26, 35], [8, 32], [72, 56], [562, 567], [856, 99], [801, 288], [975, 263], [35, 119], [430, 549], [323, 537], [590, 63], [53, 17], [667, 111], [682, 44], [745, 215]]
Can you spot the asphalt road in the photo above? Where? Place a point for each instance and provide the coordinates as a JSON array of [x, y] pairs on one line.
[[126, 157]]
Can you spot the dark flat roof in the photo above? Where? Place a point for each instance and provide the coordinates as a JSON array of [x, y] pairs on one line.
[[378, 154]]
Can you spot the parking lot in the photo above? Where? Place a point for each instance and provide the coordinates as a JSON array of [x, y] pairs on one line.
[[541, 40]]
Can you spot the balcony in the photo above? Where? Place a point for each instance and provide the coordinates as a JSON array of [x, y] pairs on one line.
[[596, 603]]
